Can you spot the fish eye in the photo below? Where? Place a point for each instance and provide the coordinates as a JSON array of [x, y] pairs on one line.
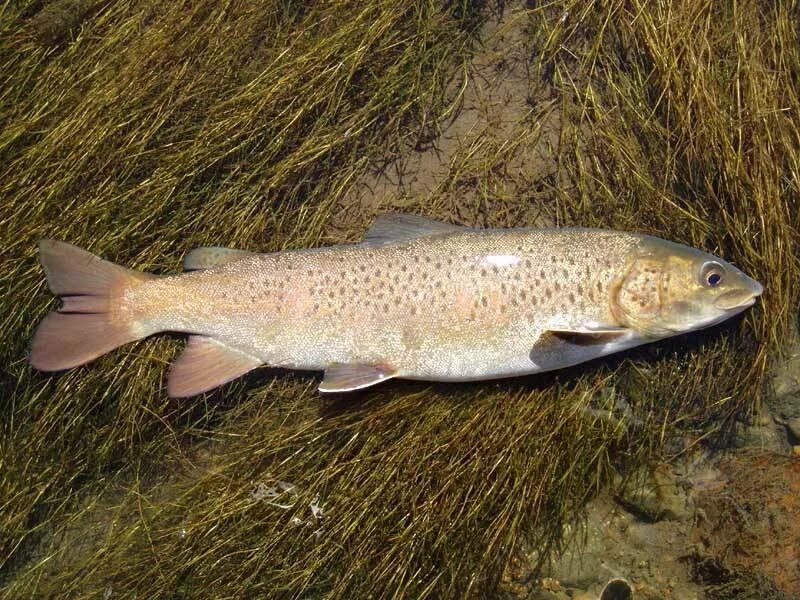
[[711, 274]]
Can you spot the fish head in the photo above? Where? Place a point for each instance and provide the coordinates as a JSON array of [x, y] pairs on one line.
[[670, 288]]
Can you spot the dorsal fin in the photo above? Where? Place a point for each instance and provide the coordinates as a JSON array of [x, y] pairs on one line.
[[398, 227], [206, 257]]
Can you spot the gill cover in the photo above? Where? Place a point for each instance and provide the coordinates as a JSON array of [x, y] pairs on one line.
[[637, 297]]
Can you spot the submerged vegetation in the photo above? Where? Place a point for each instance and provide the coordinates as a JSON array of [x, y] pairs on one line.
[[141, 129]]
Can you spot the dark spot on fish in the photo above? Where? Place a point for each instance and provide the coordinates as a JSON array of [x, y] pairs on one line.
[[528, 263], [397, 301], [363, 268], [523, 295], [558, 286], [483, 272], [548, 293], [330, 294], [502, 308], [403, 268], [484, 302], [571, 298], [571, 261], [565, 273], [413, 310], [541, 274], [438, 265], [599, 287]]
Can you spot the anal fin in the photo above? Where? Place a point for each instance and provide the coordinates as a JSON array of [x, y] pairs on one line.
[[212, 256], [347, 377], [206, 364]]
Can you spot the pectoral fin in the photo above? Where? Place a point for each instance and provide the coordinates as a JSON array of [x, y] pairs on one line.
[[588, 336], [205, 364], [341, 377], [212, 256]]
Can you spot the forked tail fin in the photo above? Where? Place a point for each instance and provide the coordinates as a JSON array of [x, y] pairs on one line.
[[89, 322]]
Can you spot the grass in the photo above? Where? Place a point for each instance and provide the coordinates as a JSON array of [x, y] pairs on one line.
[[140, 130]]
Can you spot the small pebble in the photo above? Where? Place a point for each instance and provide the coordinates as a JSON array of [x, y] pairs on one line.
[[794, 427], [796, 450]]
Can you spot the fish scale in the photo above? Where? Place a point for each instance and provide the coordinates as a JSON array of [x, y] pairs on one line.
[[417, 299], [448, 306]]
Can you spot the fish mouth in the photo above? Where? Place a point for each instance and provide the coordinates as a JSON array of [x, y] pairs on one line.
[[739, 299]]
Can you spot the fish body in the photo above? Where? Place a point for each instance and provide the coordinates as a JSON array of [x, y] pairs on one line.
[[417, 299]]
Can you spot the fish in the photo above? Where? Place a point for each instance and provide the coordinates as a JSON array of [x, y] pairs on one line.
[[416, 299]]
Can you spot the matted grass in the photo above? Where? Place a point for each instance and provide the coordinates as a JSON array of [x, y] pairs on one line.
[[141, 129]]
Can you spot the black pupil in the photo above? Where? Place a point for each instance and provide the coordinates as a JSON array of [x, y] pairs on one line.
[[713, 279]]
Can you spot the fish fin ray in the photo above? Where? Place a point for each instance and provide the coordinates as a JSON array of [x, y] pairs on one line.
[[582, 337], [400, 227], [88, 323], [347, 377], [205, 364], [207, 257]]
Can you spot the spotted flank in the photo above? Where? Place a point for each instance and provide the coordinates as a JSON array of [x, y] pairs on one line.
[[416, 299]]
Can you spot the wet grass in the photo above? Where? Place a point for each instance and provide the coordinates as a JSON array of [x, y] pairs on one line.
[[139, 130]]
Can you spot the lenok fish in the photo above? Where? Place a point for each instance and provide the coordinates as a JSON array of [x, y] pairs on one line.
[[416, 299]]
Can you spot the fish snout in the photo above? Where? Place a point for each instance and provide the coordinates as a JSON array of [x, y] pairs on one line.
[[740, 297]]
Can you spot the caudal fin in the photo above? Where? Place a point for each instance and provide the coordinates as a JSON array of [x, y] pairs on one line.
[[88, 324]]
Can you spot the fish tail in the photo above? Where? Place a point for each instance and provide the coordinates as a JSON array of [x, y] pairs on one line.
[[89, 322]]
